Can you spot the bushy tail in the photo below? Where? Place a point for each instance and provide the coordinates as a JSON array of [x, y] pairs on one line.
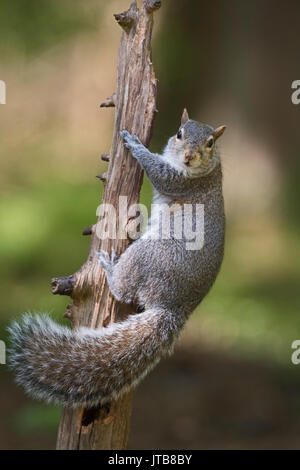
[[86, 367]]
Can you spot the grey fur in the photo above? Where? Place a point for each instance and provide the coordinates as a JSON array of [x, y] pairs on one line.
[[86, 367]]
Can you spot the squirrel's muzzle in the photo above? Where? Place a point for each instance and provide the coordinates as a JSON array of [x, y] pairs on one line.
[[190, 157]]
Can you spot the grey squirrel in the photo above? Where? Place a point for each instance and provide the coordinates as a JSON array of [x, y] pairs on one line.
[[88, 367]]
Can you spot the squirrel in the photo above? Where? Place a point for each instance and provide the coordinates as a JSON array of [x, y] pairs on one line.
[[90, 367]]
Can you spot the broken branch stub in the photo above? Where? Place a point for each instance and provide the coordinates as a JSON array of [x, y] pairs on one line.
[[127, 19], [110, 102], [152, 5], [63, 285]]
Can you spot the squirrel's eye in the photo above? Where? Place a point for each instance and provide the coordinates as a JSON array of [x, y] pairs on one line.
[[179, 134], [210, 142]]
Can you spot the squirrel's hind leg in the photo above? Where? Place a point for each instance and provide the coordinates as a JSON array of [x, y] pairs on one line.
[[107, 262], [118, 286]]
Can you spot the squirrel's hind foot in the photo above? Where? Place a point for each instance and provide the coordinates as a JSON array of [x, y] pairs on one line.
[[107, 262]]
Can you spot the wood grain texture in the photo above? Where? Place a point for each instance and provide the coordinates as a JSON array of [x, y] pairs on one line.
[[108, 427]]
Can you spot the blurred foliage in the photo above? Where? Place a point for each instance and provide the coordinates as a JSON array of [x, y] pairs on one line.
[[33, 417], [291, 195], [31, 26], [41, 238]]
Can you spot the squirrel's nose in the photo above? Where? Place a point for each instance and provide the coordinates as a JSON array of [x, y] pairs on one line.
[[188, 156]]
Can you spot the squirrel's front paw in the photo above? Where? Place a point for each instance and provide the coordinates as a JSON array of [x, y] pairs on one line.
[[131, 141], [125, 135]]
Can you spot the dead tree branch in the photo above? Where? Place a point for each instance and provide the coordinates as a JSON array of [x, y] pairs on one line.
[[92, 305]]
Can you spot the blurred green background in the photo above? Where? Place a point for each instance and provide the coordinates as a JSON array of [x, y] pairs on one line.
[[231, 383]]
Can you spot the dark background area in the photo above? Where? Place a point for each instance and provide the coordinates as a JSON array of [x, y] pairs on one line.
[[231, 383]]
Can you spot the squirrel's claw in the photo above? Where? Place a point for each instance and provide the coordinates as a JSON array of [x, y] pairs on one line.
[[136, 139], [129, 139], [114, 256], [105, 260], [125, 134]]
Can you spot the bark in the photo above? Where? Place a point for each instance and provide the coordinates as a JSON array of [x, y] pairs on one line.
[[92, 305]]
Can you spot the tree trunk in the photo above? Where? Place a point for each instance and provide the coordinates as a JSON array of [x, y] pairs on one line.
[[107, 427]]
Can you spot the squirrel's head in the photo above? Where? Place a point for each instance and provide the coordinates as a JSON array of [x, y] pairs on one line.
[[194, 147]]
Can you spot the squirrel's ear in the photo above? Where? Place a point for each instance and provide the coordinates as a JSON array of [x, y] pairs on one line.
[[219, 131], [184, 117]]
